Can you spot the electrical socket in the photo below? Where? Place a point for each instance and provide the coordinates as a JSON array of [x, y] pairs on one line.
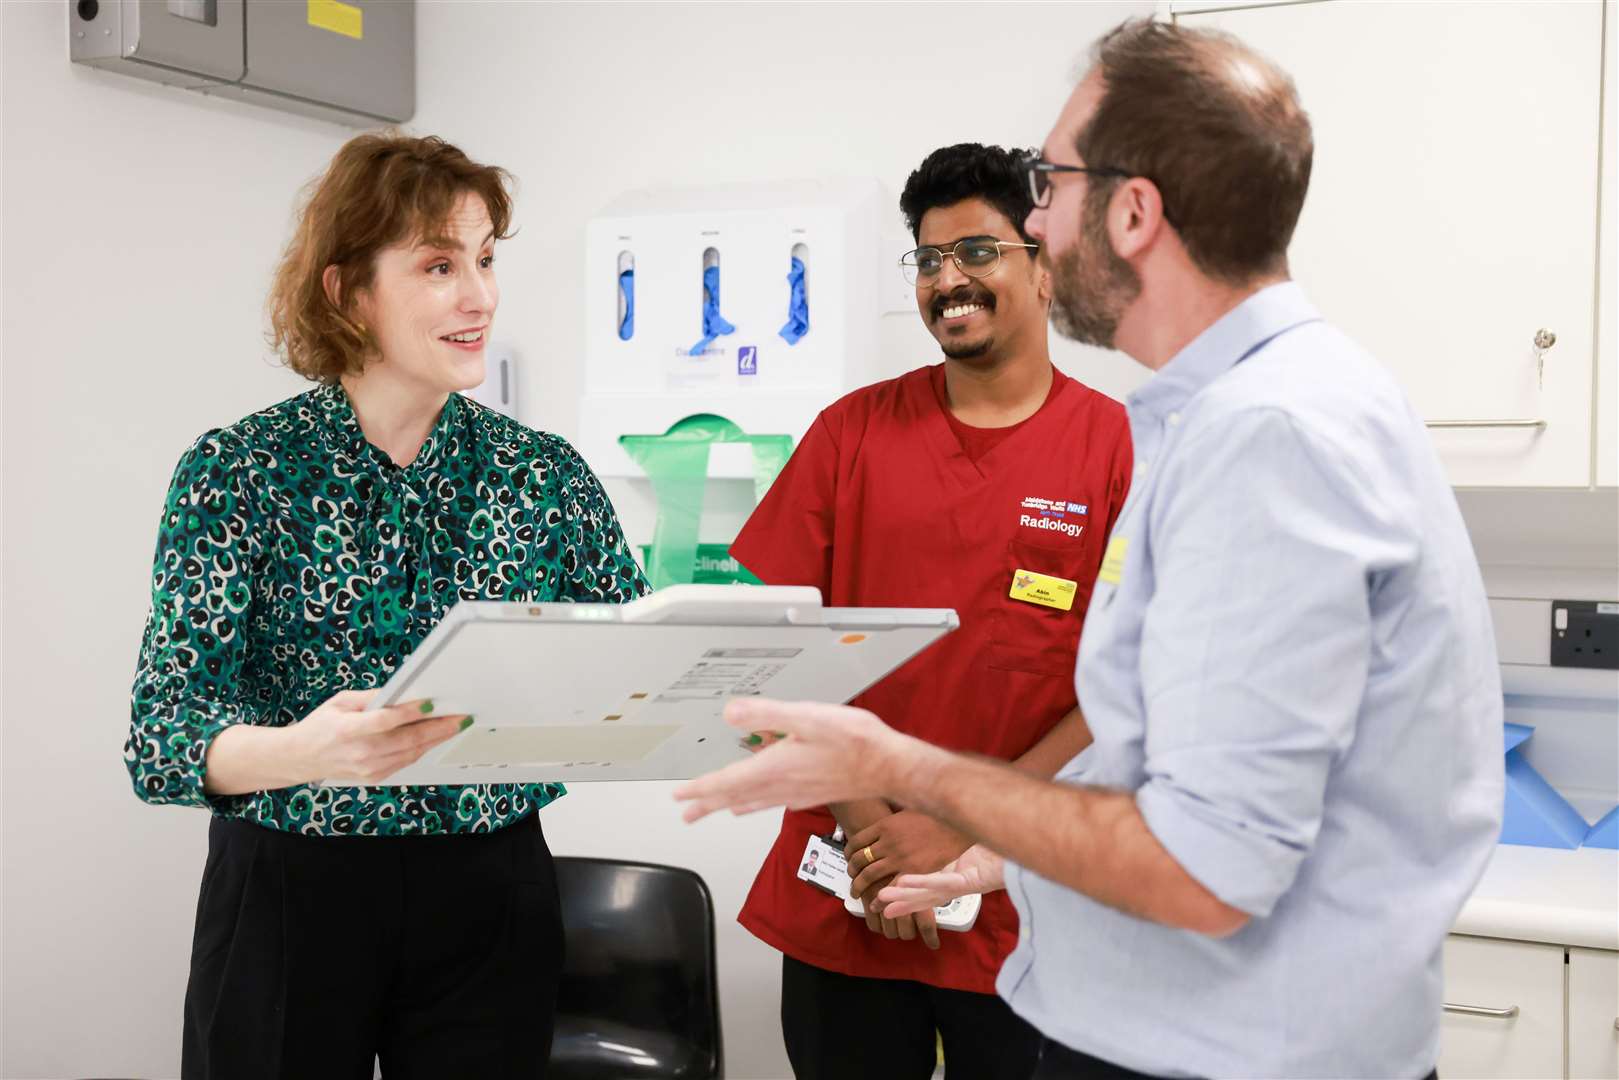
[[1585, 633]]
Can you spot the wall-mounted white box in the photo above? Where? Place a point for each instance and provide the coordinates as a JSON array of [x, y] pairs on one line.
[[645, 384]]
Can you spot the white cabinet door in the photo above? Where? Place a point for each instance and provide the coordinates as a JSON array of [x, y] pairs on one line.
[[1503, 1010], [1452, 210], [1608, 278], [1593, 1014]]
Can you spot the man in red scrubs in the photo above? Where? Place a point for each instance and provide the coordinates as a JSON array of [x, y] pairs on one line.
[[987, 484]]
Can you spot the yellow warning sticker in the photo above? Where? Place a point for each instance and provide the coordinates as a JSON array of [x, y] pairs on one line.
[[1113, 560], [1043, 589], [339, 18]]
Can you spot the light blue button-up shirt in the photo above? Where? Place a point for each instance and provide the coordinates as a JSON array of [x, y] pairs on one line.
[[1296, 675]]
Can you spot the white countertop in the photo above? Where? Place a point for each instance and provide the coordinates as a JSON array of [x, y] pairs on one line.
[[1547, 894]]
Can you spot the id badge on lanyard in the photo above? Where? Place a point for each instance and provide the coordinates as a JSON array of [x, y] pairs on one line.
[[825, 866]]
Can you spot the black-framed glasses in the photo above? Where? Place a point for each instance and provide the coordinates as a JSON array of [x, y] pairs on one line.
[[975, 256], [1040, 172]]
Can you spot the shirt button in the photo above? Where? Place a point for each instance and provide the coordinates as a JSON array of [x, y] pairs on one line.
[[1141, 468], [1023, 933], [1174, 419]]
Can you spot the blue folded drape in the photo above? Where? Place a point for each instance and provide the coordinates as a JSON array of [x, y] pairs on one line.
[[626, 289], [797, 305], [714, 323]]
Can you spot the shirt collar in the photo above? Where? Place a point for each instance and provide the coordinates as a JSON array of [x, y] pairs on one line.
[[345, 436], [1234, 337]]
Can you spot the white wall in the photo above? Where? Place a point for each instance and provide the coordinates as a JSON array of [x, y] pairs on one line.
[[1576, 529], [140, 224], [139, 228]]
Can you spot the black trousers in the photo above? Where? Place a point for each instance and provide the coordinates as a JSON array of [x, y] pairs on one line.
[[840, 1027], [1057, 1062], [314, 956]]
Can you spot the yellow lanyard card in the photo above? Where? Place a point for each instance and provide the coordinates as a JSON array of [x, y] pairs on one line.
[[1113, 560], [1043, 589]]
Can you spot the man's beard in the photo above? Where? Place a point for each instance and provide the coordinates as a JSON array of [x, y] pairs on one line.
[[967, 352], [1090, 285]]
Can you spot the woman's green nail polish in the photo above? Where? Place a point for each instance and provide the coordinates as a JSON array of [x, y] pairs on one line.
[[466, 723], [755, 739], [427, 707]]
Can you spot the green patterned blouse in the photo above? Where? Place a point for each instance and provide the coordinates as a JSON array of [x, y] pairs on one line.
[[294, 560]]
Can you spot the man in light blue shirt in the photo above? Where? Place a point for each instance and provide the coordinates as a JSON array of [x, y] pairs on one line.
[[1287, 665], [1292, 669]]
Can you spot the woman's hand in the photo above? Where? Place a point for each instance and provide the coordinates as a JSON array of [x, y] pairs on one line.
[[342, 739], [346, 739], [979, 870]]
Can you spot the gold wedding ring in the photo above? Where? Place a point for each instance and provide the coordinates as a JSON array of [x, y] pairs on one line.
[[866, 851]]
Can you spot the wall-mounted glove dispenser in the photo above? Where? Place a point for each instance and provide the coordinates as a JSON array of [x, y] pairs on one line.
[[350, 62], [757, 303]]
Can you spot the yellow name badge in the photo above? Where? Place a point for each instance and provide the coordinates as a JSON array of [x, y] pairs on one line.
[[1113, 560], [1043, 589]]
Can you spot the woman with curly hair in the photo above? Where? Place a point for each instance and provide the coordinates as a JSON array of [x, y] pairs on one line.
[[303, 553]]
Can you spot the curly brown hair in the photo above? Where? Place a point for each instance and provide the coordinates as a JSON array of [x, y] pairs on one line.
[[380, 189]]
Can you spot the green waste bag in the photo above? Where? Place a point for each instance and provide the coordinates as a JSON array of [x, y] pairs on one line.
[[677, 464]]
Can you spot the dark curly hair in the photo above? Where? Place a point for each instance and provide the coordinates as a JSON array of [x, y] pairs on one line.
[[969, 171]]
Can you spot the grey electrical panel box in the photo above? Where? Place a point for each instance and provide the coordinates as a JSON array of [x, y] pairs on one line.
[[353, 62]]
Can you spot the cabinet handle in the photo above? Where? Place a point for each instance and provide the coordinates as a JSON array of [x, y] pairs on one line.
[[1485, 423], [1478, 1010]]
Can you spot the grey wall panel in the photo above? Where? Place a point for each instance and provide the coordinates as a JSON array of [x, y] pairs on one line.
[[356, 56], [174, 34]]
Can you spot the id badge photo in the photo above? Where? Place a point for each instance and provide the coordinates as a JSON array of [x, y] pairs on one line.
[[825, 866]]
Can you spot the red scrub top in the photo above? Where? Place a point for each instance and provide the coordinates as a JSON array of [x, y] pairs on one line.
[[881, 506]]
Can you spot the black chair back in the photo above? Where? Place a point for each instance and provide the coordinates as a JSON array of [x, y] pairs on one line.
[[640, 986]]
